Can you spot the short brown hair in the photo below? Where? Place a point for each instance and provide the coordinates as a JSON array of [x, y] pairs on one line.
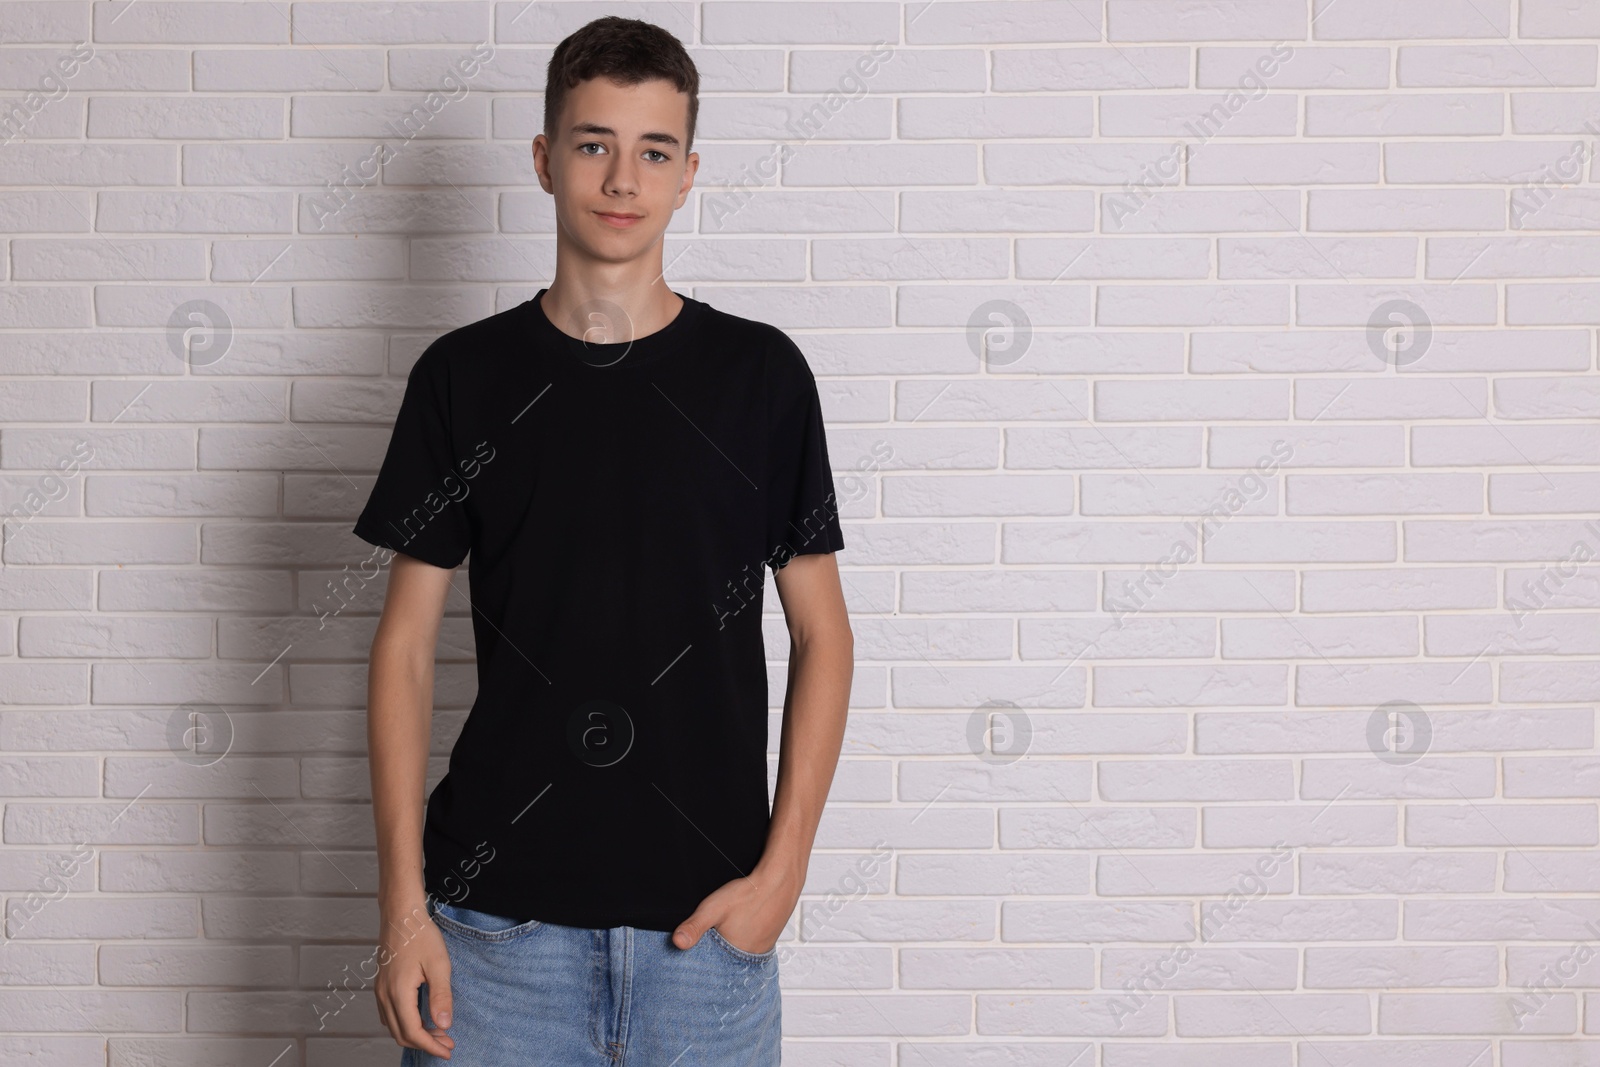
[[626, 51]]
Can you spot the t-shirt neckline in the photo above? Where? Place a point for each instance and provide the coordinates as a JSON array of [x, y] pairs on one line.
[[619, 355]]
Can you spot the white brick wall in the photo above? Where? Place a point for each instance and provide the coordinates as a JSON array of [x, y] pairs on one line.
[[1205, 273]]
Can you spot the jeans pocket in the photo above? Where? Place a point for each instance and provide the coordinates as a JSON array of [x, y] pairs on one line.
[[480, 925], [740, 954]]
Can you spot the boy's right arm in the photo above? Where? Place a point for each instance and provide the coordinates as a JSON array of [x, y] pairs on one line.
[[399, 725]]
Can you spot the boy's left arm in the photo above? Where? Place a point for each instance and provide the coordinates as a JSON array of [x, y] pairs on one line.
[[750, 912]]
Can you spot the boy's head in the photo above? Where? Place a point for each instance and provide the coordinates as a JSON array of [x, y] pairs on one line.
[[626, 51], [620, 103]]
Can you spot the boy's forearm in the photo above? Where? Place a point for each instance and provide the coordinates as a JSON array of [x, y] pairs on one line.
[[399, 722], [815, 709]]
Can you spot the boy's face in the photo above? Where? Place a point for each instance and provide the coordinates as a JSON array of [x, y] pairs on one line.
[[617, 152]]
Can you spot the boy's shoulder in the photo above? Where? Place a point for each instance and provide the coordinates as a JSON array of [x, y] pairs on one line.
[[783, 356], [490, 334]]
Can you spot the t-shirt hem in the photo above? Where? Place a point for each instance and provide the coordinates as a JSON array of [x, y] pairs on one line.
[[382, 537], [522, 911], [828, 542]]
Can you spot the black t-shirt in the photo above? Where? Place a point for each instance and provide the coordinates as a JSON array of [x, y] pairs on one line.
[[619, 502]]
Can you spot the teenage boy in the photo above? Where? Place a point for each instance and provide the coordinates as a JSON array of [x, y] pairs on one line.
[[597, 879]]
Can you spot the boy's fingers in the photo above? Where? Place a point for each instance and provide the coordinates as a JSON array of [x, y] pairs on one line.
[[695, 927], [390, 1014], [689, 932], [383, 1009], [439, 1000], [412, 1033]]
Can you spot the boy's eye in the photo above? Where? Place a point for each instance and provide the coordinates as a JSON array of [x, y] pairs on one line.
[[597, 144]]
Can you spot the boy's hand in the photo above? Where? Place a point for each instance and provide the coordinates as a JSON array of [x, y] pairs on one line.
[[412, 951], [749, 913]]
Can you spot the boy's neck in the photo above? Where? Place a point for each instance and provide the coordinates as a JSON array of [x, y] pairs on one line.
[[607, 312]]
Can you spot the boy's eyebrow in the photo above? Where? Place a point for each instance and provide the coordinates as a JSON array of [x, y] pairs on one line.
[[594, 129]]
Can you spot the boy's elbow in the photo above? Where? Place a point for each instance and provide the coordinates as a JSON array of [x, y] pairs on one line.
[[829, 633]]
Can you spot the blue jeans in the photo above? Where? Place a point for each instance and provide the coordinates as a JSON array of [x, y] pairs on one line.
[[541, 994]]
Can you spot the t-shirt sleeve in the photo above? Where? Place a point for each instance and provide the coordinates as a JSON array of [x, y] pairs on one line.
[[802, 511], [417, 503]]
